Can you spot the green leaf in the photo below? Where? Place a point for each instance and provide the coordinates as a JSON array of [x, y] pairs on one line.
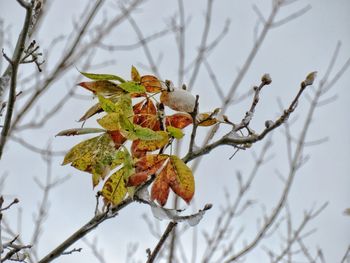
[[102, 76], [107, 105], [146, 134], [175, 132], [132, 87], [79, 131], [152, 145]]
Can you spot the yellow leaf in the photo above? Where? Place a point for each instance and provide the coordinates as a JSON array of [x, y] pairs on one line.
[[114, 189], [183, 184], [110, 122]]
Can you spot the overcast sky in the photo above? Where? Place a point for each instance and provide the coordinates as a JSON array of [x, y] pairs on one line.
[[288, 54]]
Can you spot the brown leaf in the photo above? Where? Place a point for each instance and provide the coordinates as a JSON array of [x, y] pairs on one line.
[[179, 120], [151, 83]]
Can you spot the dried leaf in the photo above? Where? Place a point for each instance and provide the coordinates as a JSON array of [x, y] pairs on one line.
[[179, 120], [91, 112], [79, 131], [102, 87], [151, 83]]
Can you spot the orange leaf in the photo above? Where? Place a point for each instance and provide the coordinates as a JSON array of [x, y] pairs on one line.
[[146, 166], [179, 120], [151, 83], [135, 151], [117, 138], [145, 115], [177, 176], [160, 188], [138, 178]]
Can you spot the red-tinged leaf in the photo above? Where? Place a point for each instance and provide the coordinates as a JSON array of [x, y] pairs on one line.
[[179, 120], [177, 176], [138, 178], [160, 188], [117, 138], [135, 75], [150, 163], [145, 106], [135, 152], [145, 115], [145, 167], [151, 83], [102, 87]]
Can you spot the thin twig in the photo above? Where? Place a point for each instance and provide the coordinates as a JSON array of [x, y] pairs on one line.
[[161, 241]]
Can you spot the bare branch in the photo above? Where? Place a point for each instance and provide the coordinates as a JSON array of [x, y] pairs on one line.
[[161, 241]]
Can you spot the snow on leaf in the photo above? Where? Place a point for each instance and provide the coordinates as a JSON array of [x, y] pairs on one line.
[[102, 76], [102, 87], [151, 83], [179, 100], [135, 75], [96, 156], [114, 190], [179, 120], [79, 131], [175, 132], [132, 87]]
